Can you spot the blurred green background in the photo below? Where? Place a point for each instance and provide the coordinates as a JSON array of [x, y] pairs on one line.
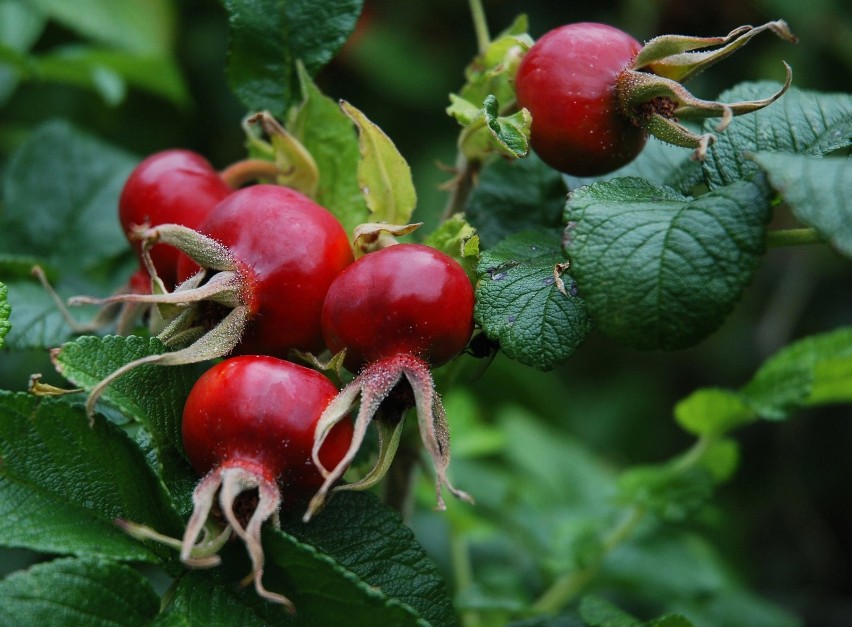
[[785, 519]]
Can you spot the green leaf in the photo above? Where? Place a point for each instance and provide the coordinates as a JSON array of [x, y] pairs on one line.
[[269, 37], [5, 310], [329, 136], [598, 612], [713, 412], [71, 592], [672, 493], [487, 133], [72, 222], [514, 196], [152, 395], [721, 459], [371, 541], [20, 27], [141, 26], [519, 303], [355, 560], [656, 269], [510, 134], [69, 225], [383, 173], [672, 568], [801, 122], [818, 190], [491, 72], [63, 483], [93, 67], [814, 371], [458, 239]]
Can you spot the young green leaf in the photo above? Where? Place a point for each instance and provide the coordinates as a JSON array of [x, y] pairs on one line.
[[814, 371], [669, 492], [269, 37], [491, 72], [713, 412], [515, 196], [459, 240], [657, 269], [818, 189], [487, 132], [63, 483], [4, 313], [329, 136], [510, 134], [78, 591], [383, 173], [802, 122], [520, 302]]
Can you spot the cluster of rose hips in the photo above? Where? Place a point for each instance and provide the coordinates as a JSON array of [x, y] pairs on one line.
[[256, 276]]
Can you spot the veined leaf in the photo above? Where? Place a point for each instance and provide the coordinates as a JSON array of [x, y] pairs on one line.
[[269, 37], [818, 189], [660, 270], [519, 301], [63, 483], [86, 591], [801, 122], [383, 173]]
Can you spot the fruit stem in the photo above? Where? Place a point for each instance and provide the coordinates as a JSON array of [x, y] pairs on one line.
[[793, 237], [248, 170], [480, 25]]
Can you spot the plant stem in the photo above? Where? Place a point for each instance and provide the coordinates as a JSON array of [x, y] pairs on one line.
[[480, 25], [694, 454], [793, 237], [463, 574], [462, 185]]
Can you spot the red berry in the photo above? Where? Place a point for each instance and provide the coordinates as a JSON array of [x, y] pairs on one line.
[[404, 299], [289, 250], [260, 412], [248, 423], [173, 186], [568, 82], [397, 312]]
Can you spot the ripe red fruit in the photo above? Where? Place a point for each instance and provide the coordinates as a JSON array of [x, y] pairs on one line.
[[567, 81], [287, 250], [248, 426], [173, 186], [397, 312], [404, 299], [269, 254], [595, 93]]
